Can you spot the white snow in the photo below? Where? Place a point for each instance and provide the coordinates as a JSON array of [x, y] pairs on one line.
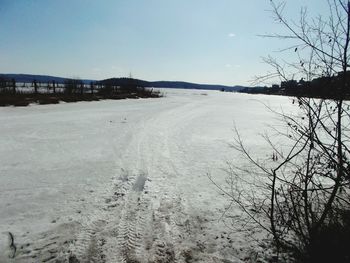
[[113, 181]]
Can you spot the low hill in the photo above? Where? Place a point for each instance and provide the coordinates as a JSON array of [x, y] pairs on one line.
[[29, 78], [169, 84]]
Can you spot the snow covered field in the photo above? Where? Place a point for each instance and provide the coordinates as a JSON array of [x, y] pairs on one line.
[[125, 181]]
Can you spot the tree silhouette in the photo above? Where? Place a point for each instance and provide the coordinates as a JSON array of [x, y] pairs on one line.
[[304, 189]]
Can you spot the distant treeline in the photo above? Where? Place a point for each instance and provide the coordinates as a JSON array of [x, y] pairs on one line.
[[21, 93], [71, 86], [28, 78], [333, 87]]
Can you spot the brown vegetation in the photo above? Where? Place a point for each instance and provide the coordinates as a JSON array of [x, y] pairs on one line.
[[13, 94]]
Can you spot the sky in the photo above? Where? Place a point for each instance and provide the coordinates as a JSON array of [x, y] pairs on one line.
[[202, 41]]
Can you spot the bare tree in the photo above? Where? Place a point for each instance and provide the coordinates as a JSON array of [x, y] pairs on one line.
[[54, 86], [73, 85], [81, 86], [13, 84], [303, 197], [92, 87], [35, 84]]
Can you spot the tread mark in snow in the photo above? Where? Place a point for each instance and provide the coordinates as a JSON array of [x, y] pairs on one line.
[[132, 228]]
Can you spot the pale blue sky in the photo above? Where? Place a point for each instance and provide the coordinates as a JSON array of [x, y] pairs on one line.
[[204, 41]]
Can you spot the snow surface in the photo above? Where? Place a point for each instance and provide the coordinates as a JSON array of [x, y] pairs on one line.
[[127, 180]]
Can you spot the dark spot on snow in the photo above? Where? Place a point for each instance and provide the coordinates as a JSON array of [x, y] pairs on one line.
[[139, 183], [73, 259]]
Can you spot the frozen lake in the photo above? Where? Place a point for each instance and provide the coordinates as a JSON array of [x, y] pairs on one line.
[[127, 179]]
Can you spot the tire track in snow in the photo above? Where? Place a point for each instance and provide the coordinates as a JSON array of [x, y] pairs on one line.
[[90, 242], [132, 229], [170, 235], [147, 230], [142, 221], [86, 248], [126, 242], [167, 205]]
